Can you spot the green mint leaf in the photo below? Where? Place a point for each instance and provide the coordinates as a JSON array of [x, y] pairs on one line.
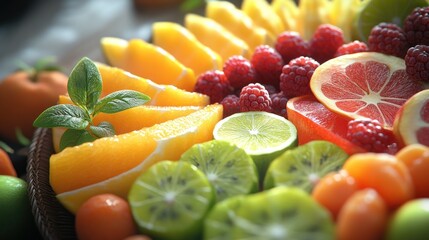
[[73, 137], [84, 84], [121, 100], [6, 147], [104, 129], [22, 139], [63, 115]]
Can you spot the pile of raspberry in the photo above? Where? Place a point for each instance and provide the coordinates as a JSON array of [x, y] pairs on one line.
[[411, 42], [274, 74]]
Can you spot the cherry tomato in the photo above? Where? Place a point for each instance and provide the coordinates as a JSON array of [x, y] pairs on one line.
[[363, 216], [105, 216], [333, 190], [384, 173], [416, 158], [23, 96]]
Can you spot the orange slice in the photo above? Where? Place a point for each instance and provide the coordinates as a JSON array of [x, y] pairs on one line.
[[263, 15], [185, 47], [115, 79], [371, 85], [148, 61], [215, 36], [239, 24], [411, 123], [111, 164]]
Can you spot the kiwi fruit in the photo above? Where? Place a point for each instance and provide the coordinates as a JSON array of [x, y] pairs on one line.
[[305, 165], [229, 169], [170, 200]]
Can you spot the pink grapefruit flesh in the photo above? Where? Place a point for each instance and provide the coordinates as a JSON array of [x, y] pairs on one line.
[[412, 120], [369, 84], [315, 122]]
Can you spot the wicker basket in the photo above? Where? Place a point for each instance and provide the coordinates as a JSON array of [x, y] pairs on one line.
[[52, 219]]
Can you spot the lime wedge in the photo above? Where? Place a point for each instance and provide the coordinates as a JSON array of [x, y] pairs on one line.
[[263, 135], [373, 12]]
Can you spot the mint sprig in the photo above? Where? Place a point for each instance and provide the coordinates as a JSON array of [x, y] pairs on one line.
[[84, 89]]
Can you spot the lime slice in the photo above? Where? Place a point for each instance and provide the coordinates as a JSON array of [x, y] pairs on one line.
[[373, 12], [264, 136]]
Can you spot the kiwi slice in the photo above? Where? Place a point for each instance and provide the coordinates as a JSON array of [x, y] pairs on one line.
[[170, 200], [229, 169], [219, 223], [279, 213], [303, 166]]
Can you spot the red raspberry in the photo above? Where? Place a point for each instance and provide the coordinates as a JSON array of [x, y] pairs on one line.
[[268, 64], [388, 38], [416, 26], [279, 101], [417, 62], [214, 84], [270, 89], [296, 75], [326, 40], [352, 47], [254, 97], [370, 135], [230, 105], [239, 71], [290, 45]]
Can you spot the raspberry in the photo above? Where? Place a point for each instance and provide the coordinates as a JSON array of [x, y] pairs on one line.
[[239, 71], [254, 97], [279, 101], [270, 89], [230, 105], [296, 75], [416, 26], [417, 62], [290, 45], [388, 38], [268, 64], [370, 135], [325, 42], [214, 84], [352, 47]]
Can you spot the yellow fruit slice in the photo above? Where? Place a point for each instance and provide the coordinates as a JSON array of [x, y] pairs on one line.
[[263, 15], [185, 47], [311, 15], [115, 79], [238, 23], [288, 12], [341, 14], [215, 36], [111, 164], [148, 61]]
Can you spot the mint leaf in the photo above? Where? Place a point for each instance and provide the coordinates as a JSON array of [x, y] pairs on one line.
[[121, 100], [73, 137], [84, 84], [104, 129], [63, 115]]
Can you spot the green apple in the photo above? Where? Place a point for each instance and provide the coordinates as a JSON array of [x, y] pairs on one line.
[[411, 221]]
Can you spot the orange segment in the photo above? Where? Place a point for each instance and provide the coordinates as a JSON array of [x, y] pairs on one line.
[[238, 23], [185, 47], [371, 85], [111, 164], [288, 12], [263, 15], [148, 61], [216, 37], [115, 79]]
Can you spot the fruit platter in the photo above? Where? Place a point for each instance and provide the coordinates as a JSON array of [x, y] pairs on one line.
[[265, 119]]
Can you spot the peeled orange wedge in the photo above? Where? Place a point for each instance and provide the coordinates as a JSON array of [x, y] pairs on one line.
[[263, 15], [148, 61], [288, 12], [186, 47], [111, 164], [239, 24], [216, 37]]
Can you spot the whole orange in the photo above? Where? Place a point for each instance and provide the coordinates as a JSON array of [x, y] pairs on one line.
[[23, 96]]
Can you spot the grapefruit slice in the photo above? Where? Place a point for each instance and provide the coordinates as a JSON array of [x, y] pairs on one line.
[[412, 121], [314, 121], [369, 84]]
